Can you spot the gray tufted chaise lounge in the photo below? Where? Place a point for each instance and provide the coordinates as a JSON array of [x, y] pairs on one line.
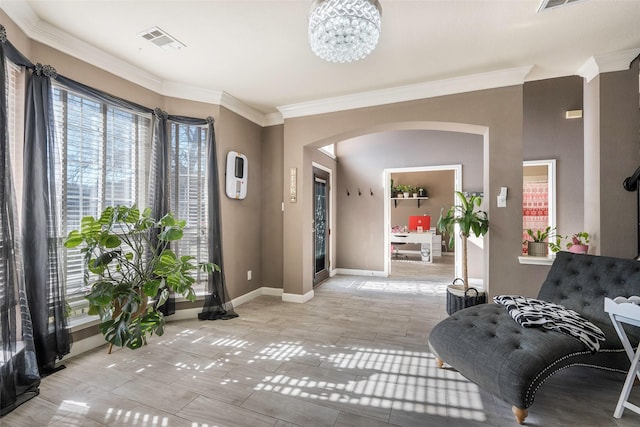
[[489, 348]]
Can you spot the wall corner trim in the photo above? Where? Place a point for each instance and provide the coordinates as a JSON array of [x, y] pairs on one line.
[[614, 61], [300, 299]]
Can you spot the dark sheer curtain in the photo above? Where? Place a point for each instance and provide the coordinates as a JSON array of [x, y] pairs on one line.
[[40, 230], [217, 304], [159, 182], [19, 376]]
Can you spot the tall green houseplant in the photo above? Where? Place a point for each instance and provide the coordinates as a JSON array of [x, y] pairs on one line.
[[132, 270], [470, 220]]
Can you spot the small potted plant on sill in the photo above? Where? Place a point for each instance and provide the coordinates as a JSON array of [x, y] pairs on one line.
[[127, 252], [538, 242], [579, 243], [470, 220]]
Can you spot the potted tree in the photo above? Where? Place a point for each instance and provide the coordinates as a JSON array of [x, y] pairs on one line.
[[133, 270], [469, 219]]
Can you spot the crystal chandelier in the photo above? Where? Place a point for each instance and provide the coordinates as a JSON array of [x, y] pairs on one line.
[[344, 30]]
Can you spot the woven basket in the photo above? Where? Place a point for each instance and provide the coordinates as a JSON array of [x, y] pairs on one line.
[[457, 298]]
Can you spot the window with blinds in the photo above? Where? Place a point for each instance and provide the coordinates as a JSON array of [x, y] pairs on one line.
[[101, 164], [189, 196]]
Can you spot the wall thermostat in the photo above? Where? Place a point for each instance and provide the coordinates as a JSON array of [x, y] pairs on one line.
[[237, 168]]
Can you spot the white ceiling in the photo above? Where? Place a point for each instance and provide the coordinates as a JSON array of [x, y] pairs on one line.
[[257, 51]]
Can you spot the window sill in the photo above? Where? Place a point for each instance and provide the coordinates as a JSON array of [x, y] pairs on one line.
[[536, 260], [78, 323]]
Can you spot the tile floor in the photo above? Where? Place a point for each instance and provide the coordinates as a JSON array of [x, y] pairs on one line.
[[355, 355]]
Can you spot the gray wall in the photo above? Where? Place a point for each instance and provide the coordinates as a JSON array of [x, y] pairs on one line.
[[361, 164], [549, 135], [619, 156]]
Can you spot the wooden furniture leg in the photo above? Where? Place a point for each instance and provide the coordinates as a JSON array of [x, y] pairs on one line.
[[439, 362], [520, 414]]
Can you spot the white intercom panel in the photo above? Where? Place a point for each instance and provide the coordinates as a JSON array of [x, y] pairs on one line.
[[237, 172]]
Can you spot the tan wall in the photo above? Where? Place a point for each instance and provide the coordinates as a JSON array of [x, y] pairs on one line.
[[495, 114], [15, 35], [89, 75], [361, 164], [272, 199], [439, 186], [241, 220]]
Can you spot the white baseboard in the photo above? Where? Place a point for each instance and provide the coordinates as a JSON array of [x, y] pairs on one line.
[[353, 272], [276, 292], [300, 299]]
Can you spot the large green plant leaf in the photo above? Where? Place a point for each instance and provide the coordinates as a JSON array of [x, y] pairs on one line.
[[151, 287], [131, 267], [116, 331]]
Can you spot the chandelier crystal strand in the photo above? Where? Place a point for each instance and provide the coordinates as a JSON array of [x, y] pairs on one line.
[[344, 30]]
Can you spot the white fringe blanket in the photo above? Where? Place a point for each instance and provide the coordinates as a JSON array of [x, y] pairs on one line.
[[530, 312]]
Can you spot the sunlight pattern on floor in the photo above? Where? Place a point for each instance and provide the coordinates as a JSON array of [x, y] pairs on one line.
[[400, 287], [383, 378]]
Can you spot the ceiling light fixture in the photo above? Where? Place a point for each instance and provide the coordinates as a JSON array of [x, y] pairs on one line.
[[344, 30]]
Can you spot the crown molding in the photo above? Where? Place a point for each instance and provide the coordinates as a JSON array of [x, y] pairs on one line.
[[614, 61], [489, 80], [273, 119], [43, 32]]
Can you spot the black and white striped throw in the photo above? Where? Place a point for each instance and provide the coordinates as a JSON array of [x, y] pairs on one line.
[[531, 312]]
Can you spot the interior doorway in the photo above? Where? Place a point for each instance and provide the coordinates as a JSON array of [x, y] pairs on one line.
[[398, 210], [321, 226]]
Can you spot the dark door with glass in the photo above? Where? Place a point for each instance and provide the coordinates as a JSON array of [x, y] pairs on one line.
[[320, 225]]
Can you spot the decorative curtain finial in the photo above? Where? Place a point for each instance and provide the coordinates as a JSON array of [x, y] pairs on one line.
[[160, 114], [210, 120], [46, 70], [3, 34]]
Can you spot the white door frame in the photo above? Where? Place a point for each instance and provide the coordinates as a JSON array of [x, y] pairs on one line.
[[457, 186]]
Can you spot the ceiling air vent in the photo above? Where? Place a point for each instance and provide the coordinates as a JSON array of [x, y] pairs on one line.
[[161, 38], [550, 4]]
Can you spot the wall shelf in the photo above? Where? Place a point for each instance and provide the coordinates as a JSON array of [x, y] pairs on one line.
[[395, 200]]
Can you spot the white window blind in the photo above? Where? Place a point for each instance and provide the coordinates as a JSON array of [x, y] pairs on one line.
[[99, 166], [189, 195]]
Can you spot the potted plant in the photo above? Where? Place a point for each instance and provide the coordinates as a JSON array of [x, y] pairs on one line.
[[579, 243], [470, 220], [394, 189], [127, 253], [404, 191], [538, 242]]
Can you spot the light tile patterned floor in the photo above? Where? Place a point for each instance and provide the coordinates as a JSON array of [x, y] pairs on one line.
[[355, 355]]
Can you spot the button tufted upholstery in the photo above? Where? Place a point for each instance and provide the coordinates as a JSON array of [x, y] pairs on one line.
[[489, 348]]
